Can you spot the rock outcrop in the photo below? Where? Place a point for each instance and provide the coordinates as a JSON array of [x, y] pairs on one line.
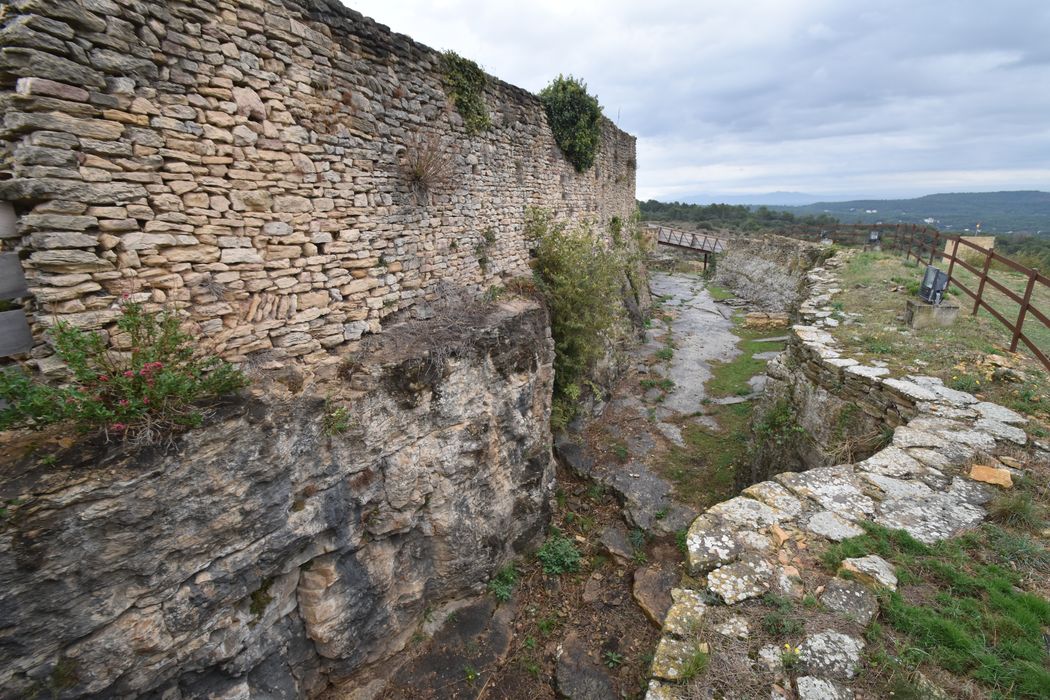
[[300, 537]]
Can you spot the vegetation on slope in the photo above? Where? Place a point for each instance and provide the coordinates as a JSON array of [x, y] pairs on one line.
[[716, 216], [995, 211]]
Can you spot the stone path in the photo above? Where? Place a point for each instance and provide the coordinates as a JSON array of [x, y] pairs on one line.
[[764, 540], [702, 333]]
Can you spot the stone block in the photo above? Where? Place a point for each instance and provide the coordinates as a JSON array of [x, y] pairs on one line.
[[919, 314]]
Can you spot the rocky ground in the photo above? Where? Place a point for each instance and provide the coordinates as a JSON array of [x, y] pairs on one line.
[[591, 634], [768, 608]]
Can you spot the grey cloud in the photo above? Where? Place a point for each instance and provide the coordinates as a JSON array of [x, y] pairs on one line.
[[830, 96]]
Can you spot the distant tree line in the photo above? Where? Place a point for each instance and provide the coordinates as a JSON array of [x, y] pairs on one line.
[[1031, 251], [715, 216]]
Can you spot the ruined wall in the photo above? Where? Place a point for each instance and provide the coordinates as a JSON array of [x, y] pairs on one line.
[[767, 270], [245, 160], [300, 537]]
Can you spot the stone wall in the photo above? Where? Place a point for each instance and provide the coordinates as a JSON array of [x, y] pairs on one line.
[[245, 160], [299, 538]]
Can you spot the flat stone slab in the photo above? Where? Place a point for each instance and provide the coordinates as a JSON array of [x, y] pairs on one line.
[[710, 545], [810, 688], [991, 475], [580, 676], [994, 411], [686, 614], [871, 569], [745, 579], [851, 599], [833, 488], [775, 496], [652, 591], [747, 512], [831, 655], [832, 526], [931, 519], [671, 658], [1002, 431]]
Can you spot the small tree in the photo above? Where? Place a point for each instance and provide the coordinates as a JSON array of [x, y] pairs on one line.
[[575, 119], [143, 394]]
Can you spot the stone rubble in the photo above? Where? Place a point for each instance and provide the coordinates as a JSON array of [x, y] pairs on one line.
[[917, 484]]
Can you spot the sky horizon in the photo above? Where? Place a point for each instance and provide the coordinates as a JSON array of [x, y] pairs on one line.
[[882, 99]]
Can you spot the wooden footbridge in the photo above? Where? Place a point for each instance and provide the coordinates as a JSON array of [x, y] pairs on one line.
[[695, 242]]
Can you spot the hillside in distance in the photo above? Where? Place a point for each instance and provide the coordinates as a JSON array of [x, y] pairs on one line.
[[1025, 211]]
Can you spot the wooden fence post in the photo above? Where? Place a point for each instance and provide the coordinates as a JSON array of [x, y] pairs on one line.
[[951, 260], [980, 286], [933, 244], [1032, 274], [911, 237]]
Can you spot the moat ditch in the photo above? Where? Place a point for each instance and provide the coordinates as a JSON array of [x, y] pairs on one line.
[[667, 443]]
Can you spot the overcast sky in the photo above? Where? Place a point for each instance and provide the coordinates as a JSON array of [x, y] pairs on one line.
[[831, 97]]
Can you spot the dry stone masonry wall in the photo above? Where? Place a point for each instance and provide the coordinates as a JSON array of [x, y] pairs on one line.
[[762, 541], [246, 160]]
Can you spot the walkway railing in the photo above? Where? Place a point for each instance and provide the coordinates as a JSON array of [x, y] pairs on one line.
[[925, 244], [700, 243]]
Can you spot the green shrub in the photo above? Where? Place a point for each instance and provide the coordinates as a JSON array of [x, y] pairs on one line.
[[465, 82], [580, 280], [559, 555], [142, 394], [502, 584], [575, 119]]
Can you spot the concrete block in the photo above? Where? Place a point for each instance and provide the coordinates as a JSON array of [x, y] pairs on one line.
[[920, 315]]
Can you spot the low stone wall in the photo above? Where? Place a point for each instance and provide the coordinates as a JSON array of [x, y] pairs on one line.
[[764, 540], [249, 162], [300, 537]]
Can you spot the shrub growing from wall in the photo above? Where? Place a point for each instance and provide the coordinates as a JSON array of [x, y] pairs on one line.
[[580, 278], [575, 118], [143, 394], [465, 84]]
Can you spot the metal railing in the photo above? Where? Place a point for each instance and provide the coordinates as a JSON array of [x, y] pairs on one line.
[[925, 244]]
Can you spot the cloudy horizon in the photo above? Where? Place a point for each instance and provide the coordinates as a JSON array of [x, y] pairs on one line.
[[839, 99]]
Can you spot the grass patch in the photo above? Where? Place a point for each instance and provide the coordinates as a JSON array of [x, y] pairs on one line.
[[703, 470], [880, 285], [960, 606], [731, 378]]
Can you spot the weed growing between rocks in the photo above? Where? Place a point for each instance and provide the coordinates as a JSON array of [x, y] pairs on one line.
[[502, 584], [142, 394], [559, 555]]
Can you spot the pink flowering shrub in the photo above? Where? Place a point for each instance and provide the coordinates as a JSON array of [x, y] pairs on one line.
[[156, 388]]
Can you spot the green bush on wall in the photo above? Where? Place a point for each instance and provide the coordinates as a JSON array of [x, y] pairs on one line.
[[465, 83], [575, 118], [580, 281]]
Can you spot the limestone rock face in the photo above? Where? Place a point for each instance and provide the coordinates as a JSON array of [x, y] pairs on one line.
[[260, 556]]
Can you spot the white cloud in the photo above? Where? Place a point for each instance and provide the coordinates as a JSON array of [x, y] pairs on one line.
[[901, 97]]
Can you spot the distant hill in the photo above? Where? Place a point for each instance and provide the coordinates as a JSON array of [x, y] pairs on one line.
[[789, 199], [997, 212]]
